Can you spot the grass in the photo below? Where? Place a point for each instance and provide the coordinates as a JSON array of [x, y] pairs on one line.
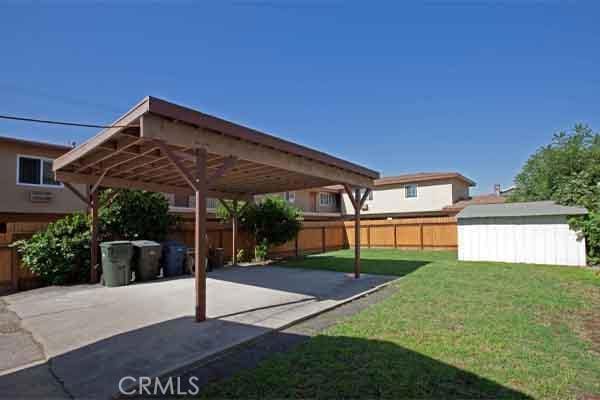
[[450, 330]]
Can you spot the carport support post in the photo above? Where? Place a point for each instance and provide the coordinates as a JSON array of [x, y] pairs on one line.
[[200, 234], [94, 244], [234, 233], [357, 203], [357, 235]]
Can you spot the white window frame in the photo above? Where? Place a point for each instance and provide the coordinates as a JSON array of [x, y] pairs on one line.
[[41, 184], [329, 199], [416, 191], [290, 197]]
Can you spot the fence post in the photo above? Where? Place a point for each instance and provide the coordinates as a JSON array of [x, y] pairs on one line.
[[421, 236], [395, 238], [14, 269], [369, 236], [296, 250], [323, 238]]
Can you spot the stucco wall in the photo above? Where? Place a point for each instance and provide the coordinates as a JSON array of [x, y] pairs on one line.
[[460, 190], [431, 196], [304, 202], [15, 198]]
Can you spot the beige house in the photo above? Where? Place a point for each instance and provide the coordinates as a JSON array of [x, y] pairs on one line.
[[315, 203], [29, 191], [414, 193]]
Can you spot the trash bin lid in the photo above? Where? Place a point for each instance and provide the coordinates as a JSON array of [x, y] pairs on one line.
[[173, 243], [145, 243], [116, 243]]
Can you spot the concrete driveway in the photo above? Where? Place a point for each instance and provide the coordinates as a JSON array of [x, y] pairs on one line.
[[89, 336]]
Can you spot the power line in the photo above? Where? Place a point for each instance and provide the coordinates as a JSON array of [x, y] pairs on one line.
[[51, 122]]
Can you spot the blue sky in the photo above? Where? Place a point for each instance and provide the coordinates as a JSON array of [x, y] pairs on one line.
[[399, 87]]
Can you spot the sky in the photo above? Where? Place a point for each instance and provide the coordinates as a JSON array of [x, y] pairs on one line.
[[399, 87]]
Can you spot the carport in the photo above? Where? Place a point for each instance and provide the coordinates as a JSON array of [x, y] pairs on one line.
[[163, 147]]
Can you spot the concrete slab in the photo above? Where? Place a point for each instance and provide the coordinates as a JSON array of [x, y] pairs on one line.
[[148, 329]]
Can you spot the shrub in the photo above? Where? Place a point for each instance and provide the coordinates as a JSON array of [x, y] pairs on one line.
[[60, 254], [272, 221], [135, 214]]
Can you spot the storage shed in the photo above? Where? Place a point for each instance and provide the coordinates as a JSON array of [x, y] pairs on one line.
[[530, 232]]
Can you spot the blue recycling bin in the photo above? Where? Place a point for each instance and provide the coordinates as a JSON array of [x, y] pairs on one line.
[[173, 256]]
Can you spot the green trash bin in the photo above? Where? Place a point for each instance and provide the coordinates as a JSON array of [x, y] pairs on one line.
[[116, 262], [146, 259]]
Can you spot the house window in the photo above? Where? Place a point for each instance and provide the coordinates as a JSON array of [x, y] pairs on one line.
[[35, 171], [410, 191], [3, 228], [290, 196], [326, 199]]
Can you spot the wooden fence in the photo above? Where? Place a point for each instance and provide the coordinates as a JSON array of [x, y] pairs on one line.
[[13, 277], [432, 233], [314, 237]]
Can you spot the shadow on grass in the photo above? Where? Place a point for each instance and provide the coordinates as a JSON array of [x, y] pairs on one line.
[[338, 367], [376, 266]]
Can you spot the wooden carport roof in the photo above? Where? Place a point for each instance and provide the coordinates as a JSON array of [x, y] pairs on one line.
[[132, 154], [163, 147]]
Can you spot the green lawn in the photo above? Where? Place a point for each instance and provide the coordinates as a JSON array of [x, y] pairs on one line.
[[450, 330]]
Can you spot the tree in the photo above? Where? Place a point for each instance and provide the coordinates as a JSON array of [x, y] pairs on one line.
[[568, 172], [273, 222], [233, 206], [135, 214]]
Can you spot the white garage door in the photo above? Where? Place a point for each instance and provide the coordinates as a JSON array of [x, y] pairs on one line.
[[531, 239]]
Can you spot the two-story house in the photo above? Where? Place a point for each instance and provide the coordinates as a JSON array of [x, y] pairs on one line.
[[420, 194], [29, 191]]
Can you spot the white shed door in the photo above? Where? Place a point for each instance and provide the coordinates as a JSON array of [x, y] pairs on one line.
[[534, 240]]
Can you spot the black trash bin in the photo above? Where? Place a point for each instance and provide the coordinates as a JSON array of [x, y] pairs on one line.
[[173, 256]]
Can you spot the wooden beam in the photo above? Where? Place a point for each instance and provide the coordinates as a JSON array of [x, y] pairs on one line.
[[183, 135], [80, 151], [94, 244], [98, 157], [177, 163], [112, 182], [200, 234], [224, 204], [77, 193], [99, 181], [228, 163], [364, 197], [348, 190]]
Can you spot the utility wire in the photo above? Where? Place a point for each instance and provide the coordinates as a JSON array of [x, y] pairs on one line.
[[45, 121]]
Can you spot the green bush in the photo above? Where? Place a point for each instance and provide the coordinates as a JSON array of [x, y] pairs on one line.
[[60, 254], [272, 221], [135, 214]]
